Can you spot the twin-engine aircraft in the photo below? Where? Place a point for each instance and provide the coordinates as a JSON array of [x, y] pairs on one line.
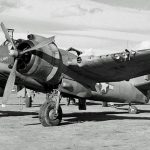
[[38, 64]]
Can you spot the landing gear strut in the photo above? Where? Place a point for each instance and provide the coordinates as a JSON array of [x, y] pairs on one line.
[[28, 101], [50, 112], [132, 109]]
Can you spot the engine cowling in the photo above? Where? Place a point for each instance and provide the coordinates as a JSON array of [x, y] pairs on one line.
[[43, 65]]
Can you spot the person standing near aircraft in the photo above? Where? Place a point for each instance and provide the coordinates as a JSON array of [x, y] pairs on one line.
[[28, 95]]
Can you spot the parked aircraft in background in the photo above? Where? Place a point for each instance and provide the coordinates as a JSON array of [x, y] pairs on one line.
[[38, 64]]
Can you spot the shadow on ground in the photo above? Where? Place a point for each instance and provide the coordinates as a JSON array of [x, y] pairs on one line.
[[79, 117], [33, 105], [16, 113], [99, 116]]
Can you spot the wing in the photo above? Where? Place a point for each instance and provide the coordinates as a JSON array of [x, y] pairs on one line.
[[142, 83], [113, 67]]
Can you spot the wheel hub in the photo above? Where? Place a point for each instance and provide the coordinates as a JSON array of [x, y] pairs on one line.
[[52, 114]]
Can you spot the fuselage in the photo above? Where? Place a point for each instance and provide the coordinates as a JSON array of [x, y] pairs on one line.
[[48, 69]]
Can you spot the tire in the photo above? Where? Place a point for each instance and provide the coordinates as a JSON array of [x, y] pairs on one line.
[[147, 100], [132, 110], [28, 102], [104, 104], [148, 97], [47, 114], [68, 101], [82, 104]]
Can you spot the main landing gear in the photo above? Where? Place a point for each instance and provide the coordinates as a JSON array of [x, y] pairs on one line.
[[104, 104], [50, 112], [132, 109]]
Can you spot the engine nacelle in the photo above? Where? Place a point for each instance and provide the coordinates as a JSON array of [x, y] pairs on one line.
[[43, 65]]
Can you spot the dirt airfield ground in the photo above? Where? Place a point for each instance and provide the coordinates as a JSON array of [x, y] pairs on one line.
[[97, 128]]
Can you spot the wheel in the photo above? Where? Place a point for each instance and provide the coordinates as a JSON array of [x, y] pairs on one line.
[[132, 110], [147, 100], [104, 104], [28, 102], [70, 100], [148, 96], [47, 115], [82, 104]]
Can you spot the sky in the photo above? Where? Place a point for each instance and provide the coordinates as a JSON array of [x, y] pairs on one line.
[[92, 26]]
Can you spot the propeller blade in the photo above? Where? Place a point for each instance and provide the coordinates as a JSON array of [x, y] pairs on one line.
[[40, 45], [10, 84], [7, 36]]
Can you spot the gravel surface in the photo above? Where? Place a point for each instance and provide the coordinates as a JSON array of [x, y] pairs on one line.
[[97, 128]]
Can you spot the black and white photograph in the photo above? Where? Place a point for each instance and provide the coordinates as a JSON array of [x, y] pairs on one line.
[[74, 74]]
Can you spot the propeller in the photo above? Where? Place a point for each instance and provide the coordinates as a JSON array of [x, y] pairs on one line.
[[9, 84], [15, 53], [38, 46], [7, 36]]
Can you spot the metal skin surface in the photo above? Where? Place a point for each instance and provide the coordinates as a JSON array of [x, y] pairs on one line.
[[110, 68], [123, 92], [43, 67], [50, 67]]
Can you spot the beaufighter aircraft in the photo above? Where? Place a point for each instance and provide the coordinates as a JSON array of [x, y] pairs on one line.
[[38, 64]]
